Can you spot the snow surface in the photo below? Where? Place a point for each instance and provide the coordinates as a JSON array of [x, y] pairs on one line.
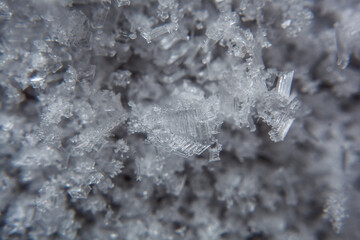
[[179, 119]]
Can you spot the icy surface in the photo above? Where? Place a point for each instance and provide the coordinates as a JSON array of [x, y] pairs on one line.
[[168, 119]]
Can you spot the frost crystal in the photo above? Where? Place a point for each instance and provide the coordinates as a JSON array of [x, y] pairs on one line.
[[168, 119], [335, 211], [284, 84], [121, 3], [186, 126]]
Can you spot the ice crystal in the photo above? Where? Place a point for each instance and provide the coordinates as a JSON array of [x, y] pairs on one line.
[[121, 3], [185, 126], [168, 119], [335, 211]]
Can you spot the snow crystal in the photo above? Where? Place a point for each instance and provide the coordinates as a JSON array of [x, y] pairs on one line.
[[284, 84], [170, 119], [335, 211], [122, 3]]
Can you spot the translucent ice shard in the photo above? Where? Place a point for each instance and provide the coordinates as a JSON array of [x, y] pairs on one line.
[[99, 15], [37, 80], [186, 147], [279, 132], [286, 23], [343, 57], [284, 84], [79, 192], [214, 152], [161, 30], [280, 115], [122, 3]]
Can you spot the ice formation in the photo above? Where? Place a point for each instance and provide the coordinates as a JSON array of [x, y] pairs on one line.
[[179, 119]]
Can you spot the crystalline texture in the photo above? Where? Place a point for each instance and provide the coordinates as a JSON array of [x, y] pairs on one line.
[[161, 30], [284, 84], [79, 192], [335, 210], [186, 129], [281, 130], [135, 119], [182, 131], [347, 36], [5, 12], [122, 3]]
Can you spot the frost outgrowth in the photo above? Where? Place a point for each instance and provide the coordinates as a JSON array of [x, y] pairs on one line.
[[185, 125], [168, 119], [335, 210]]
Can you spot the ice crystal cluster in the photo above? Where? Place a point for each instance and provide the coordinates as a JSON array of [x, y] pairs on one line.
[[180, 119]]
